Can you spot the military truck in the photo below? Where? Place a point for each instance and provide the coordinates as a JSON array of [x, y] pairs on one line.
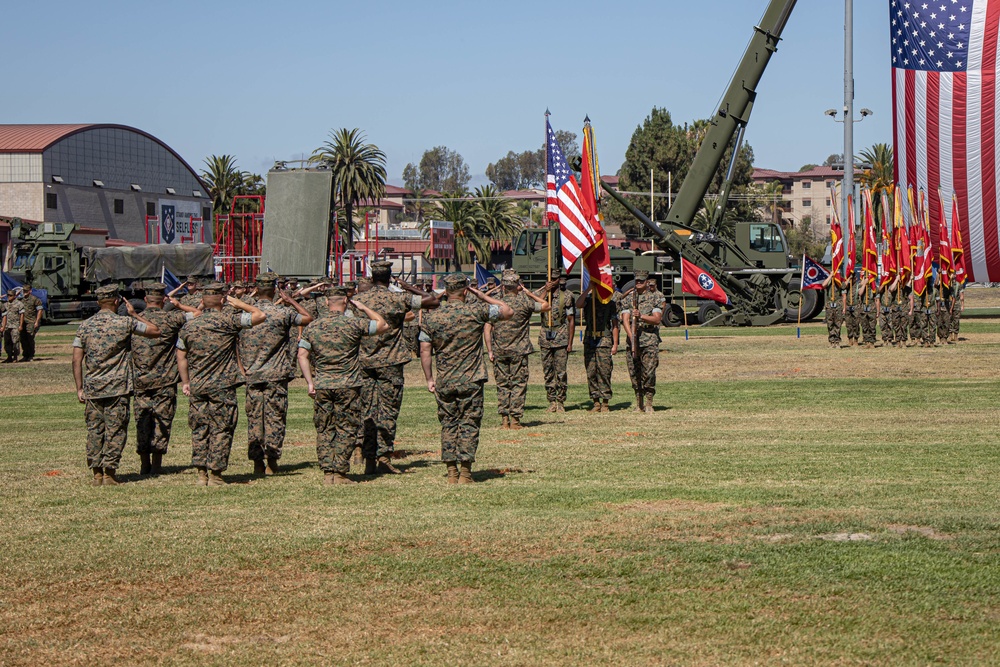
[[46, 255], [753, 266]]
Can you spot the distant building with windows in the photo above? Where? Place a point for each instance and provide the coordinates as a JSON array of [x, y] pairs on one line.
[[110, 178], [803, 193]]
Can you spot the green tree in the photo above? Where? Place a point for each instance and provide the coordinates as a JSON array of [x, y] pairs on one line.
[[878, 178], [468, 219], [666, 149], [420, 205], [440, 169], [499, 218], [358, 172], [808, 167], [832, 159], [224, 180], [806, 239], [519, 171]]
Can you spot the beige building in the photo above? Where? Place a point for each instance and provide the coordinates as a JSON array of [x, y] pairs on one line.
[[803, 194]]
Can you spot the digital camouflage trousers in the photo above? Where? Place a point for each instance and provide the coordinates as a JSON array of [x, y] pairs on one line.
[[154, 416], [554, 360], [885, 326], [12, 343], [382, 394], [267, 411], [338, 416], [852, 323], [834, 323], [924, 326], [512, 385], [599, 364], [460, 414], [649, 360], [868, 323], [213, 418], [944, 323], [107, 430], [900, 325]]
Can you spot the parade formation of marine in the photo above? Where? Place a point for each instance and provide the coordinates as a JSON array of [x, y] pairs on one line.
[[350, 344]]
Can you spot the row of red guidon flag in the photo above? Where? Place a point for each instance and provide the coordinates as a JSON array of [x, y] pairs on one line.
[[911, 242]]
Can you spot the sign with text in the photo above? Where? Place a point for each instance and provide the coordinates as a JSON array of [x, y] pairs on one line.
[[176, 225], [442, 240]]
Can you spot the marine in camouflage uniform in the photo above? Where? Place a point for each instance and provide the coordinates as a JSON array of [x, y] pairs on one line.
[[886, 298], [193, 297], [651, 306], [866, 300], [852, 311], [382, 360], [454, 335], [835, 308], [600, 344], [509, 344], [924, 326], [328, 357], [13, 321], [945, 301], [156, 379], [958, 299], [102, 370], [33, 310], [555, 339], [267, 364], [902, 311], [210, 373]]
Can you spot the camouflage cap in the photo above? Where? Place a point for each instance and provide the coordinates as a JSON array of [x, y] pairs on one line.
[[365, 280], [213, 288], [26, 285], [510, 278], [106, 292], [456, 281], [642, 274], [381, 268], [155, 288], [353, 284], [267, 279], [338, 290]]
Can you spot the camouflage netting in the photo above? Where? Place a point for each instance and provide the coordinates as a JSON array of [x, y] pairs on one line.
[[147, 261]]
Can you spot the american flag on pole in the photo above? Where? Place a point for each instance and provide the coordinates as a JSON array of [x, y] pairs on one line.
[[945, 120], [563, 203]]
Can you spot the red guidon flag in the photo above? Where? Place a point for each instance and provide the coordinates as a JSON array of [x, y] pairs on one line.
[[699, 282], [944, 244], [869, 248], [597, 259]]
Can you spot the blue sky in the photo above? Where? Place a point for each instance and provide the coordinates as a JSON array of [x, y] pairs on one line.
[[268, 80]]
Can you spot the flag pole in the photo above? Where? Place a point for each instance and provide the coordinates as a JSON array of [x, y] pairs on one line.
[[802, 295], [684, 303], [548, 274]]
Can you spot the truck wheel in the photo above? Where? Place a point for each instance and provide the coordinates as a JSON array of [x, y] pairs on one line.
[[574, 285], [810, 300], [674, 317], [627, 286], [708, 311]]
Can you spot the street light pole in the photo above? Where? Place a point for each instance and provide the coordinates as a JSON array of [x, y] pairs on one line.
[[848, 187]]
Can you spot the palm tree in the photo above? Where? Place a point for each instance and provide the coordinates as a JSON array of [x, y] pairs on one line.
[[500, 221], [879, 176], [469, 223], [223, 179], [420, 206], [358, 171]]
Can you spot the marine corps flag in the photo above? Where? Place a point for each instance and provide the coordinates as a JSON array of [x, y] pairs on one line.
[[957, 250], [889, 268], [869, 248], [837, 250], [944, 245], [597, 259]]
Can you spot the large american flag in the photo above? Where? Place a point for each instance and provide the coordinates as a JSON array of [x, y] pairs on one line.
[[562, 203], [945, 121]]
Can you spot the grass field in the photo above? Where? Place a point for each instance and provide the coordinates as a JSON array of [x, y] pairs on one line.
[[787, 503]]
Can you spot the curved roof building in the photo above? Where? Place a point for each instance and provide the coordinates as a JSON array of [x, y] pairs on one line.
[[110, 177]]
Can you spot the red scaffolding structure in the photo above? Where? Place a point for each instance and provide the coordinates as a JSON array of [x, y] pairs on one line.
[[238, 238]]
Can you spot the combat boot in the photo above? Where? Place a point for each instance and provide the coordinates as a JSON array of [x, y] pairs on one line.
[[258, 468], [506, 423], [215, 478], [605, 407], [371, 465], [515, 424], [465, 476], [156, 463], [852, 342], [452, 472], [385, 465], [145, 466], [649, 408], [98, 476], [560, 407], [596, 408], [552, 407], [272, 465], [202, 476], [109, 477], [835, 346], [337, 478]]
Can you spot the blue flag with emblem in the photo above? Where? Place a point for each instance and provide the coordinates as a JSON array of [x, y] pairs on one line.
[[482, 276]]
